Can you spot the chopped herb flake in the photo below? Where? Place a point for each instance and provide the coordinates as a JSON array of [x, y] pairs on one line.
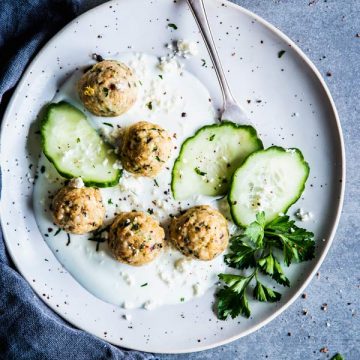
[[108, 124], [211, 138], [199, 172], [156, 183], [145, 284], [149, 105], [203, 62], [173, 26], [57, 232], [110, 202], [161, 77], [281, 53]]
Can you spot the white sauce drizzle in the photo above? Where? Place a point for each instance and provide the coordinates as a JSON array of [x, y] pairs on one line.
[[171, 278]]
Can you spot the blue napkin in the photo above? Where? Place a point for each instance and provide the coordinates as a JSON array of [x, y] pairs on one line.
[[28, 328]]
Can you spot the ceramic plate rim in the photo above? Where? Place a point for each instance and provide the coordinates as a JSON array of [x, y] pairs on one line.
[[333, 227]]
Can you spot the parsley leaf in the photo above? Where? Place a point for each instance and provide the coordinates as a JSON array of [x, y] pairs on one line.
[[255, 231], [337, 357], [258, 247], [270, 266], [231, 304], [237, 283], [241, 256], [263, 293], [297, 243]]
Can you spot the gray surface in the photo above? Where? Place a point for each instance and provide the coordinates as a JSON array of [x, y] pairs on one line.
[[322, 29]]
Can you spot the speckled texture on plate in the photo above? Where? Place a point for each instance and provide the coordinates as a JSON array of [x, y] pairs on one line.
[[337, 327]]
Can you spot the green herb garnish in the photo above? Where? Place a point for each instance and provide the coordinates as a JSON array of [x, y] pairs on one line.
[[161, 77], [255, 248], [110, 202], [156, 183], [105, 91], [182, 299], [203, 62], [98, 236], [108, 124], [281, 53], [199, 172], [337, 357], [78, 140], [145, 284], [149, 105], [173, 26], [57, 232], [211, 138]]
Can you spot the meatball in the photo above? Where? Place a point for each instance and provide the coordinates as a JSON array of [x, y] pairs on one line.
[[109, 88], [145, 148], [201, 232], [78, 210], [135, 238]]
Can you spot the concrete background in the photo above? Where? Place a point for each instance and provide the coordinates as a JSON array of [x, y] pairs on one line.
[[327, 31]]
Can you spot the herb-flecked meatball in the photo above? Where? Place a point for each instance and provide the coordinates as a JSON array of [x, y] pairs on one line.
[[201, 232], [109, 88], [78, 210], [135, 238], [145, 148]]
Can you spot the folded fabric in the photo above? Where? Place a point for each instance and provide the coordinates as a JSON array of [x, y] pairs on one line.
[[28, 328]]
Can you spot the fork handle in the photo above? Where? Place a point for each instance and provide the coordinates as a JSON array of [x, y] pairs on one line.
[[199, 12]]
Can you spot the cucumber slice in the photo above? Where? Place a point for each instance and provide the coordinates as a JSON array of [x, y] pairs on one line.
[[269, 180], [75, 148], [208, 159]]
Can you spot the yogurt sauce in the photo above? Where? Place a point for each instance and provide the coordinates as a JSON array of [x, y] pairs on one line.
[[177, 101]]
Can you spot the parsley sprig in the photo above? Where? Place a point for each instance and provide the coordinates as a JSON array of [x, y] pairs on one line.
[[257, 248]]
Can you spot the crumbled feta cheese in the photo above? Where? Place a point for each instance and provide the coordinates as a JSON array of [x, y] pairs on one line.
[[127, 317], [76, 183], [303, 216], [127, 305], [127, 278], [149, 305], [169, 64], [117, 165], [186, 48], [123, 85], [182, 265], [165, 277], [196, 289]]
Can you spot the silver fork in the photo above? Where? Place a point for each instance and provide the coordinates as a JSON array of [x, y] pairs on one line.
[[231, 110]]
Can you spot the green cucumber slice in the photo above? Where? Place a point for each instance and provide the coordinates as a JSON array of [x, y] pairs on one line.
[[208, 159], [269, 180], [75, 148]]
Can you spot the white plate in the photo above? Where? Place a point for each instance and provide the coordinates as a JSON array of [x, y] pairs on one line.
[[296, 109]]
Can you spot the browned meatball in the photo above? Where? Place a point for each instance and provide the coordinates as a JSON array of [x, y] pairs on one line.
[[201, 232], [78, 210], [135, 238], [109, 88], [145, 148]]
